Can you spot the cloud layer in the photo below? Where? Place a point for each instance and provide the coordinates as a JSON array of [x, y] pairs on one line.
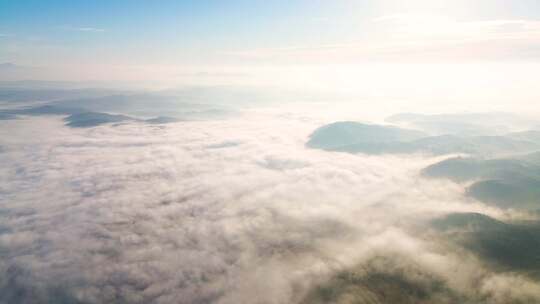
[[229, 211]]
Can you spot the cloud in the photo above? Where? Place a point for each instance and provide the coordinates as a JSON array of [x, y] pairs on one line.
[[142, 214], [424, 38], [506, 36], [87, 29], [409, 25], [90, 29]]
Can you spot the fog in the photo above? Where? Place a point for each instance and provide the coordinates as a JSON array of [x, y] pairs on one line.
[[377, 89], [237, 207]]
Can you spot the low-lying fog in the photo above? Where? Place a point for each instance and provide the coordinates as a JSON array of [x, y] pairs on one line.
[[137, 197]]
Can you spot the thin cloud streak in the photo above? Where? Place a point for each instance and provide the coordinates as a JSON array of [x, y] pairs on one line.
[[406, 37], [87, 29]]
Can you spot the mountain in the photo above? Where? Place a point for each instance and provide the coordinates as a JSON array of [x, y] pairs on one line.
[[78, 117], [92, 119], [385, 280], [530, 135], [462, 169], [162, 120], [25, 95], [474, 145], [513, 192], [464, 124], [344, 134], [510, 246], [532, 158], [354, 137], [11, 71], [134, 104], [46, 110], [506, 183]]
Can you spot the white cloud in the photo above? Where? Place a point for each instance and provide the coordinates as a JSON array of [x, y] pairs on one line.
[[434, 29], [88, 29], [150, 214], [422, 38]]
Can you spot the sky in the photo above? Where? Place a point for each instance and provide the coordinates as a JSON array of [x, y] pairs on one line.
[[198, 33], [478, 52]]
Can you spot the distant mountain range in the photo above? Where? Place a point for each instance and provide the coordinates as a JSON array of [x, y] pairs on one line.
[[464, 124], [12, 72], [355, 137], [93, 107], [506, 182]]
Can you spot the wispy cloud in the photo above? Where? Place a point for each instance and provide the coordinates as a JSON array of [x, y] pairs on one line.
[[406, 37], [411, 26], [88, 29]]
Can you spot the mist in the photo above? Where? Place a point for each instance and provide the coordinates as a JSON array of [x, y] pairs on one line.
[[238, 206]]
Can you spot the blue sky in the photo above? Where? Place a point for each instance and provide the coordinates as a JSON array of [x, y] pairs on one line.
[[266, 33], [167, 26]]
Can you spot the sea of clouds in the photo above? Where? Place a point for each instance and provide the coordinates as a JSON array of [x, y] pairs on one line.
[[236, 210]]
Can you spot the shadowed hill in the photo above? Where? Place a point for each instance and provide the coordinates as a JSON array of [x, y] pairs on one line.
[[511, 246], [518, 193], [507, 183], [341, 135], [356, 137], [92, 119], [463, 124], [384, 280]]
